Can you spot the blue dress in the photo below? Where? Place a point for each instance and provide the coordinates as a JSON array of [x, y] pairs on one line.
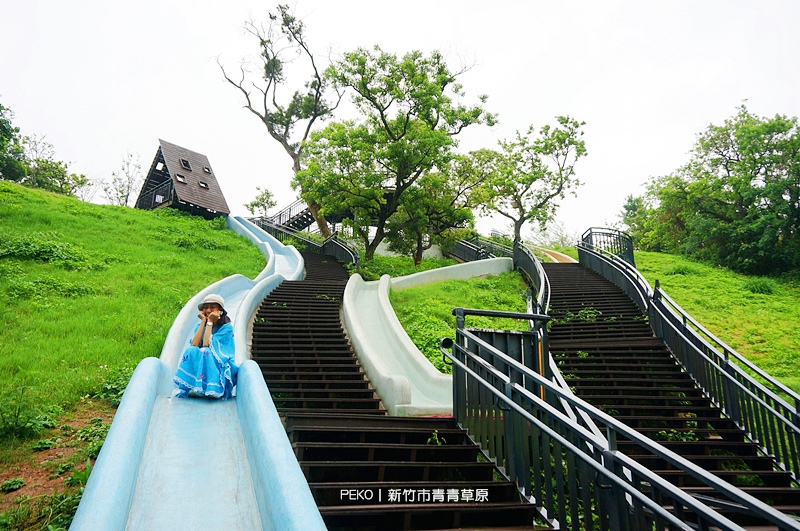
[[208, 371]]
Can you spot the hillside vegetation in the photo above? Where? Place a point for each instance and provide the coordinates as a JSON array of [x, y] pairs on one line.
[[89, 289], [758, 316], [426, 311]]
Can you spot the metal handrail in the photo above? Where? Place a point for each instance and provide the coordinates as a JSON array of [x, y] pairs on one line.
[[724, 348], [468, 251], [493, 248], [284, 216], [512, 412], [767, 418], [612, 240], [332, 246], [525, 260]]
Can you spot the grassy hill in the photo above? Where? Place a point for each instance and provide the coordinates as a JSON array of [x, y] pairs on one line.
[[88, 289], [87, 292], [759, 317]]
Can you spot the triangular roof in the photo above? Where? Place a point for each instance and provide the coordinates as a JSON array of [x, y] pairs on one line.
[[193, 182]]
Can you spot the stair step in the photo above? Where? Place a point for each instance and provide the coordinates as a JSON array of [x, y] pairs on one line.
[[486, 516], [342, 437], [344, 471], [336, 493], [386, 435], [637, 380], [369, 452]]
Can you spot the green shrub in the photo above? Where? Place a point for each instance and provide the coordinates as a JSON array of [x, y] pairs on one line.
[[760, 285], [398, 266], [95, 434], [45, 444], [681, 269], [51, 512], [43, 288], [114, 384], [20, 419], [42, 247], [12, 484], [79, 477]]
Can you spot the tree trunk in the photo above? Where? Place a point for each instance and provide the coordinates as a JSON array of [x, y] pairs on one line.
[[322, 223], [518, 230], [313, 206], [369, 252], [419, 251]]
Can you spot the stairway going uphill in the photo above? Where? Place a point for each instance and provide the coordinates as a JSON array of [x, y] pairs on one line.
[[366, 470], [609, 356]]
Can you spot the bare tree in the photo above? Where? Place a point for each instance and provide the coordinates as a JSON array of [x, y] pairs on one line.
[[119, 189], [289, 120], [555, 236]]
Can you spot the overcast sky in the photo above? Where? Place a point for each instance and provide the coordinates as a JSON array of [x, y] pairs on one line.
[[101, 79]]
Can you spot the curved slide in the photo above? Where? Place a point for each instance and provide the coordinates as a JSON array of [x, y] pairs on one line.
[[171, 463], [406, 381]]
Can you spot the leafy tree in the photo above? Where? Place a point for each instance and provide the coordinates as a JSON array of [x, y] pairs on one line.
[[12, 154], [435, 208], [634, 214], [533, 172], [122, 185], [368, 169], [262, 202], [54, 175], [44, 171], [30, 160], [736, 203], [281, 42]]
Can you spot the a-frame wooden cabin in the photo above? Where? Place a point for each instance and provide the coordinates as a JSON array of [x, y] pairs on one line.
[[182, 179]]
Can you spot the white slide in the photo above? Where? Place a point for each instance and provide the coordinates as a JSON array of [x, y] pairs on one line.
[[171, 463], [407, 382]]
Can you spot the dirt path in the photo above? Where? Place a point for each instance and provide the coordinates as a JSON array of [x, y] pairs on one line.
[[37, 469], [555, 256]]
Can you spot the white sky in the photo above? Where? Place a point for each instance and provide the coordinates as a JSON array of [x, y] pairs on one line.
[[101, 79]]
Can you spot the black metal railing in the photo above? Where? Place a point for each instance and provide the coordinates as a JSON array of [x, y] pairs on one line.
[[494, 248], [163, 193], [611, 240], [468, 252], [332, 246], [755, 404], [289, 213], [531, 268], [575, 479]]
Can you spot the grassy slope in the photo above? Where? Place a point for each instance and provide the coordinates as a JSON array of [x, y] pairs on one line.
[[104, 290], [761, 327], [426, 311]]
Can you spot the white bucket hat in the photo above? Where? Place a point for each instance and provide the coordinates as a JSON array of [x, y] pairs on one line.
[[212, 298]]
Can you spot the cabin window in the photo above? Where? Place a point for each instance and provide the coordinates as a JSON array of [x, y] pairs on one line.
[[185, 164], [180, 178], [203, 184], [159, 166], [206, 169]]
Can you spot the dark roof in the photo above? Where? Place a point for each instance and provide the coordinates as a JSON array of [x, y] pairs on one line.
[[193, 178]]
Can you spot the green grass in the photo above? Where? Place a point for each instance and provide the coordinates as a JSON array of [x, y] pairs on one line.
[[398, 266], [758, 317], [88, 289], [426, 311]]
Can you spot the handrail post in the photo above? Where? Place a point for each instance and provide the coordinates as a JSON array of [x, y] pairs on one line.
[[509, 443], [730, 407]]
